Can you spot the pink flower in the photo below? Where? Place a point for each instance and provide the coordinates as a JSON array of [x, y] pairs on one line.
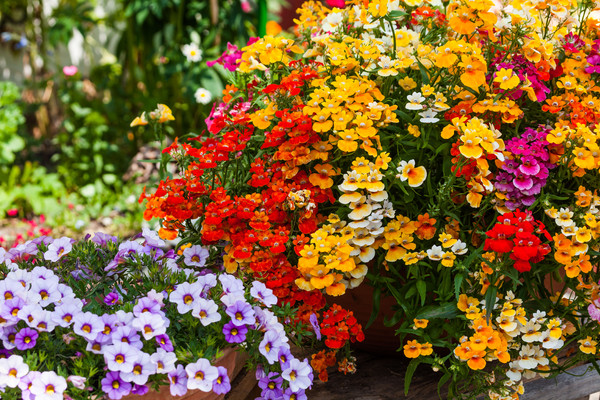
[[246, 7], [69, 70], [336, 3]]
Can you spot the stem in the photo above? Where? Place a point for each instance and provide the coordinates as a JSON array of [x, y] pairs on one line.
[[262, 18]]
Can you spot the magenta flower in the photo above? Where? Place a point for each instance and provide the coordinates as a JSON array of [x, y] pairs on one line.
[[336, 3], [26, 339], [111, 299], [164, 342], [114, 386]]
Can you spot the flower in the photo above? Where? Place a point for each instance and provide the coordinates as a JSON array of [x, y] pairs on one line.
[[12, 369], [178, 381], [48, 386], [26, 339], [57, 249], [234, 333], [415, 175], [195, 256], [202, 96], [298, 375], [114, 386], [192, 52], [69, 70], [201, 375], [221, 384]]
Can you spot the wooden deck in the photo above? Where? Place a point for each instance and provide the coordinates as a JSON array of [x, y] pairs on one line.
[[381, 377]]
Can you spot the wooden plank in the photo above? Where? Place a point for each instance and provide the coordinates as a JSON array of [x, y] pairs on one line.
[[579, 382]]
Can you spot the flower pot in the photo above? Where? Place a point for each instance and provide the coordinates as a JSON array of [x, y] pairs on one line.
[[378, 337], [232, 360]]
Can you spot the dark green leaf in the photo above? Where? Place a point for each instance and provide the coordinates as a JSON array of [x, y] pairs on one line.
[[422, 288], [414, 363], [447, 310]]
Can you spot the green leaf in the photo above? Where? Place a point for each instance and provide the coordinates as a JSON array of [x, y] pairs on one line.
[[446, 310], [422, 289], [414, 363], [490, 301], [441, 383], [375, 310], [457, 284], [424, 76], [396, 13]]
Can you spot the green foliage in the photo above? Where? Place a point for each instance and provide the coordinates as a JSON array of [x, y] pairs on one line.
[[10, 120]]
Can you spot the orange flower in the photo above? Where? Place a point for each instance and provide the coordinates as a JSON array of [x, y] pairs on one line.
[[412, 349], [322, 177], [477, 360], [425, 227]]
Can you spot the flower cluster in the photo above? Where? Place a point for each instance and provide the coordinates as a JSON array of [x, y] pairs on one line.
[[168, 334], [515, 234]]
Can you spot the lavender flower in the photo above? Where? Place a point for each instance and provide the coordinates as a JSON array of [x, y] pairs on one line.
[[146, 305], [265, 295], [152, 238], [241, 313], [87, 325], [121, 357], [201, 375], [58, 248], [298, 374], [178, 380], [164, 361], [114, 386], [26, 339], [269, 346], [128, 335], [143, 367], [26, 382], [221, 385], [271, 386], [150, 325], [314, 322], [186, 296], [195, 256], [102, 239], [290, 394], [164, 342], [111, 299], [49, 386], [206, 311]]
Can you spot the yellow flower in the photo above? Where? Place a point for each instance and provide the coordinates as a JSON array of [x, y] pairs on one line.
[[420, 323], [448, 259], [415, 175], [414, 130], [426, 349], [348, 142], [407, 83], [506, 79], [587, 345], [139, 121]]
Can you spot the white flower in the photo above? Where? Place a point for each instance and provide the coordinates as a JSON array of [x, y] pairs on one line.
[[428, 117], [192, 52], [203, 96], [415, 99]]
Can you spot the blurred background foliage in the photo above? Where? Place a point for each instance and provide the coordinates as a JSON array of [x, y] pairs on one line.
[[66, 136]]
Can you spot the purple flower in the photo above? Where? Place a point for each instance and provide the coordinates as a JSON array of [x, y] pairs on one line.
[[58, 248], [12, 369], [140, 390], [111, 299], [271, 386], [146, 305], [298, 374], [103, 238], [290, 394], [164, 342], [201, 375], [221, 385], [178, 380], [114, 386], [195, 256], [241, 313], [314, 322], [284, 356], [26, 382], [26, 339], [44, 292], [234, 333]]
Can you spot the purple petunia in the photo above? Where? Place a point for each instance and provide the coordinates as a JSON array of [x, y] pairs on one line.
[[26, 339], [58, 248], [221, 384], [12, 369], [298, 375], [115, 387], [201, 375], [195, 256], [241, 313], [178, 380], [234, 333]]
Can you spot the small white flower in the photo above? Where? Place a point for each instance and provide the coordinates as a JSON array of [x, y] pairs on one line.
[[415, 99], [428, 117], [203, 96], [192, 52]]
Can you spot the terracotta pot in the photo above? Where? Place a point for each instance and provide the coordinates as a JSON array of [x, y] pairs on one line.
[[378, 337], [232, 360]]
